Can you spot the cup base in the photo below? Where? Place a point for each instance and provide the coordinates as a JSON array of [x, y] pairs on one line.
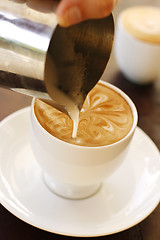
[[70, 191]]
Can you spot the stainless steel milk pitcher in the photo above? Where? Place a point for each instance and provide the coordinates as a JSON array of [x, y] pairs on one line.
[[39, 58]]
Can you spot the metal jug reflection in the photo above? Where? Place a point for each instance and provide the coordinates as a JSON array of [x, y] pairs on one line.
[[41, 59]]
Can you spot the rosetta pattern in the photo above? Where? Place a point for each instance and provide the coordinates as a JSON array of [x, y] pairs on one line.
[[105, 119]]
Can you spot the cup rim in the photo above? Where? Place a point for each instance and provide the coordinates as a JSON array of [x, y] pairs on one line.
[[119, 91]]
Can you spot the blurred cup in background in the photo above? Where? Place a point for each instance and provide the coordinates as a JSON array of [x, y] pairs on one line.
[[137, 43]]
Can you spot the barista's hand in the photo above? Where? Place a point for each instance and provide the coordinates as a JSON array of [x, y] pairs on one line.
[[74, 11], [70, 12]]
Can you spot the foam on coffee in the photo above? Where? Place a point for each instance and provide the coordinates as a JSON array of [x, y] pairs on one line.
[[105, 118], [143, 22]]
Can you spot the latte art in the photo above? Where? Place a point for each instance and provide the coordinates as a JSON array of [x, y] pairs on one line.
[[104, 119]]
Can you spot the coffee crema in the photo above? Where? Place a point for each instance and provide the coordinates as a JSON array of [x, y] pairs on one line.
[[105, 118], [143, 22]]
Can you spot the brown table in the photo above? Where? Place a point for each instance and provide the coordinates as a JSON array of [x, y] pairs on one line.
[[147, 101]]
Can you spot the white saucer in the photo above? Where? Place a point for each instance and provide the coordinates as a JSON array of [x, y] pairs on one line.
[[125, 199]]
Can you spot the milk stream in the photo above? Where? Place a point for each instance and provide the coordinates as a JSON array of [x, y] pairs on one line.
[[73, 112]]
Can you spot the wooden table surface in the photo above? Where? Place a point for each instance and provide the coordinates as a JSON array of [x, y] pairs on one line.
[[147, 101]]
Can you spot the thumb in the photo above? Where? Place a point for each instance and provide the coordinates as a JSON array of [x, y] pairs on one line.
[[70, 12]]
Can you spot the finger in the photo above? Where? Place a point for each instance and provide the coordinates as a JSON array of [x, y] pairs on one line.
[[18, 1], [74, 11], [41, 5]]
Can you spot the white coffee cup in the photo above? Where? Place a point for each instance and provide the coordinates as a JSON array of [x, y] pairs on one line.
[[73, 171], [137, 51]]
